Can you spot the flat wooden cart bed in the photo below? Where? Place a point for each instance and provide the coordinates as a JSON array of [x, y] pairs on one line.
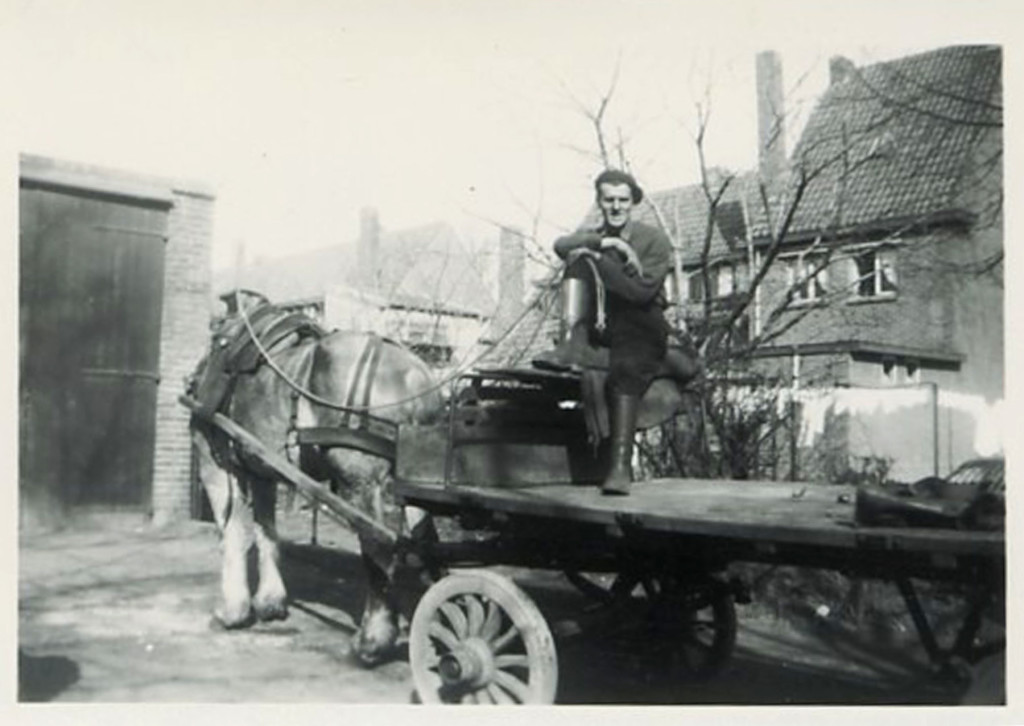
[[665, 549], [811, 522]]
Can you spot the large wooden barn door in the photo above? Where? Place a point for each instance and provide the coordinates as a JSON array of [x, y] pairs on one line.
[[91, 298]]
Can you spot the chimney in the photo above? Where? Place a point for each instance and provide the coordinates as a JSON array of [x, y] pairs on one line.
[[839, 69], [367, 256], [771, 129], [511, 271]]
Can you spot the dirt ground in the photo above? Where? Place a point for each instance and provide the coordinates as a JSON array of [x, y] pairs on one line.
[[123, 615]]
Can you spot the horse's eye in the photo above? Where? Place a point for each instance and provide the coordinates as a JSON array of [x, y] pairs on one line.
[[222, 342]]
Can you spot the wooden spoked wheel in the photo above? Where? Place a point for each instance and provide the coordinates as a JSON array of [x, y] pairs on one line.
[[476, 638], [693, 627], [686, 628]]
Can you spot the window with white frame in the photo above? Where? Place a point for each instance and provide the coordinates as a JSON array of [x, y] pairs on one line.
[[807, 276], [725, 279], [695, 285], [874, 273]]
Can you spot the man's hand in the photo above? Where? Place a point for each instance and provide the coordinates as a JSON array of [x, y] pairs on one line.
[[632, 260]]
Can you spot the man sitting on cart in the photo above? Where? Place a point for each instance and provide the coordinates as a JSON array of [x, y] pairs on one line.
[[628, 261]]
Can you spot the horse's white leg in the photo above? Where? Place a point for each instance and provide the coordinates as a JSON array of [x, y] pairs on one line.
[[270, 601], [235, 607], [378, 627], [365, 481], [231, 512]]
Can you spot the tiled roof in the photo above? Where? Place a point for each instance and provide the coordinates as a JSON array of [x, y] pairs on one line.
[[685, 212], [430, 264], [907, 127], [426, 267], [536, 331]]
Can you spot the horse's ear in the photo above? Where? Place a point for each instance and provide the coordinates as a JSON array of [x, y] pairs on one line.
[[248, 299], [229, 299]]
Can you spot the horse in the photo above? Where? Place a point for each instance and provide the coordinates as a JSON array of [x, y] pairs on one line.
[[292, 386]]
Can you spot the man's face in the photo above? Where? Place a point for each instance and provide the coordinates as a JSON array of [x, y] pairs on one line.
[[616, 202]]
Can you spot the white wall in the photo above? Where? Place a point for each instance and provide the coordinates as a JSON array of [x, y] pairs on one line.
[[900, 424]]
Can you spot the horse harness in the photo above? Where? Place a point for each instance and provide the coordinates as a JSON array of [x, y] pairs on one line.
[[247, 350], [360, 429]]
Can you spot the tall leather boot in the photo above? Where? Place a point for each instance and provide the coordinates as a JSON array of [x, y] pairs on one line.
[[624, 411], [575, 350]]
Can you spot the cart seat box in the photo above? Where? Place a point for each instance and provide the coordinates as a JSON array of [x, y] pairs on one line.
[[500, 453]]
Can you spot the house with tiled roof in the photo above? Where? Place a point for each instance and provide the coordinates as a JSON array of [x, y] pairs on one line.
[[895, 245], [884, 237], [419, 285]]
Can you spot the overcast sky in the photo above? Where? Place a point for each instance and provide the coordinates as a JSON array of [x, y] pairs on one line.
[[299, 113]]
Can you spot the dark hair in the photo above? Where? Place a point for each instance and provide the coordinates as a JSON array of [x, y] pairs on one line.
[[614, 176]]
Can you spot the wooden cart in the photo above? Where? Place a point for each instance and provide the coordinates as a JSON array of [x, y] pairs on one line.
[[501, 466]]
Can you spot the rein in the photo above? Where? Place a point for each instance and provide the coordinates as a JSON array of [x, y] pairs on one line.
[[348, 407], [297, 387]]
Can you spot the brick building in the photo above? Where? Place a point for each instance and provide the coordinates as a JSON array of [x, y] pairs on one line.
[[114, 313]]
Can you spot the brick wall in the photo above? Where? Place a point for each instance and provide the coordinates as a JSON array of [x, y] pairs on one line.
[[919, 316], [184, 335]]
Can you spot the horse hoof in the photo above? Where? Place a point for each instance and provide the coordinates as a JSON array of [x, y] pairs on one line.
[[221, 621], [369, 654], [370, 658], [268, 613]]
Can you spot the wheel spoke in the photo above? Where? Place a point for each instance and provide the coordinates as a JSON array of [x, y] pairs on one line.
[[470, 698], [484, 696], [519, 690], [512, 660], [691, 637], [441, 633], [624, 585], [498, 695], [492, 623], [503, 640], [650, 587], [457, 619], [475, 610], [701, 629]]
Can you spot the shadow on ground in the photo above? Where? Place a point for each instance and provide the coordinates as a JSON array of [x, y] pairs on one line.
[[794, 662], [331, 578], [44, 678]]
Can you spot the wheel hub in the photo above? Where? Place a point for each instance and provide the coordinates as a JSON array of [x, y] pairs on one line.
[[470, 666]]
